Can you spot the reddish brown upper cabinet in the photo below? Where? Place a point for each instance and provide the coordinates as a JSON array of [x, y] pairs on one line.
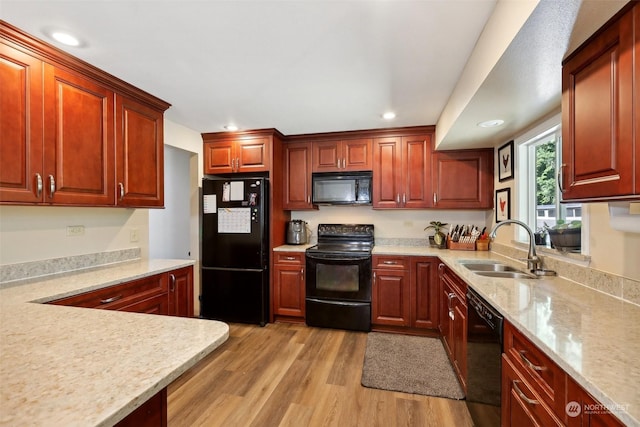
[[463, 179], [21, 167], [139, 154], [236, 153], [297, 176], [401, 172], [344, 155], [69, 128], [599, 126]]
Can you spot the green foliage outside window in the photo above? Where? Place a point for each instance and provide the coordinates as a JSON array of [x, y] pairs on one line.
[[546, 173]]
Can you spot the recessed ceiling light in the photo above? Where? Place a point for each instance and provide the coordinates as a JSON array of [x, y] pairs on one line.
[[491, 123], [65, 38], [389, 115], [231, 128]]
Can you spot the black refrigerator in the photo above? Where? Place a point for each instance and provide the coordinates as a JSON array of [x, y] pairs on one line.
[[235, 249]]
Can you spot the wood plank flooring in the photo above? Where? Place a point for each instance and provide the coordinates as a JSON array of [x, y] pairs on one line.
[[294, 375]]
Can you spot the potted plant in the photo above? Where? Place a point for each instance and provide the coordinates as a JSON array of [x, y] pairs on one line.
[[541, 236], [439, 239], [565, 236]]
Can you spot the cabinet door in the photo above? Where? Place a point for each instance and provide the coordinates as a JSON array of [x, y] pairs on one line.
[[424, 293], [20, 127], [597, 116], [390, 303], [327, 156], [463, 179], [253, 155], [219, 157], [139, 154], [289, 291], [460, 340], [446, 314], [79, 147], [416, 179], [297, 176], [356, 154], [520, 405], [181, 292], [387, 175]]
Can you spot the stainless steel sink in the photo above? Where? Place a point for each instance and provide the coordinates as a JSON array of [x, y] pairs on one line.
[[496, 269], [506, 274], [488, 267]]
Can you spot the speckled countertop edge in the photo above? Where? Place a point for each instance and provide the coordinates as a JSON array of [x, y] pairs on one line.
[[594, 337], [76, 366]]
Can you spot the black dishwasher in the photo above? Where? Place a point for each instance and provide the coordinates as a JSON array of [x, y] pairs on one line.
[[484, 355]]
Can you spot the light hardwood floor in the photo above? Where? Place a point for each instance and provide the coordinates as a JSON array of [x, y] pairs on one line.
[[294, 375]]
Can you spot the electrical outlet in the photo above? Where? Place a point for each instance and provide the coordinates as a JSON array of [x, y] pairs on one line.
[[133, 235], [75, 230]]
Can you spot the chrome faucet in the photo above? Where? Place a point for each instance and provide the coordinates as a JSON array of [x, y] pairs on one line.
[[534, 263]]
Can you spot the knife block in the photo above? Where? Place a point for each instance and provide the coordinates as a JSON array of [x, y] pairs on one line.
[[457, 246]]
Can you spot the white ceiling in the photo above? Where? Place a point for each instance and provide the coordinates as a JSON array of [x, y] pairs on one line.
[[311, 66]]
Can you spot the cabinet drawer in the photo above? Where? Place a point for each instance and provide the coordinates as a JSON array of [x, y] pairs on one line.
[[391, 262], [545, 377], [521, 406], [289, 258], [118, 296]]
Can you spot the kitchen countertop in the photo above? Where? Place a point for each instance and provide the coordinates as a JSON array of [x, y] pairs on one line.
[[78, 366], [594, 337]]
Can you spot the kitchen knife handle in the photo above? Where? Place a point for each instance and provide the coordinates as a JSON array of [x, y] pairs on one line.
[[38, 185]]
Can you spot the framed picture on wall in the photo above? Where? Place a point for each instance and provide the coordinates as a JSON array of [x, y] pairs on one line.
[[503, 204], [505, 162]]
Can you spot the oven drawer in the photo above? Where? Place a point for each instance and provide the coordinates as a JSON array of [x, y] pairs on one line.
[[545, 377], [391, 262], [351, 315]]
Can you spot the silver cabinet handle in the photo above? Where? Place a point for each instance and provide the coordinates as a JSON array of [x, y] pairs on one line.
[[344, 162], [374, 277], [560, 175], [404, 198], [38, 185], [172, 282], [52, 186], [309, 200], [435, 198], [302, 273], [121, 190], [237, 164], [522, 395], [529, 363], [112, 299], [290, 258], [389, 262], [233, 165], [398, 199]]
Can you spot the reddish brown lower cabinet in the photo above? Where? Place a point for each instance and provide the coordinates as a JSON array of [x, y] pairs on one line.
[[587, 410], [181, 292], [521, 406], [150, 294], [288, 292], [404, 294], [390, 291], [152, 413], [453, 320]]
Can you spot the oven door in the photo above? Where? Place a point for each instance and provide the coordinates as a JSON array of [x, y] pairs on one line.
[[338, 277]]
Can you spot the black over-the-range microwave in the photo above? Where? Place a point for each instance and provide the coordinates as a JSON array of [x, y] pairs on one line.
[[341, 188]]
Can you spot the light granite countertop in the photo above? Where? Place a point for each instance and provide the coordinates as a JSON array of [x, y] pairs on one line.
[[69, 366], [594, 337]]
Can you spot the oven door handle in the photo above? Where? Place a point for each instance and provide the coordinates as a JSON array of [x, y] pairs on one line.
[[338, 258]]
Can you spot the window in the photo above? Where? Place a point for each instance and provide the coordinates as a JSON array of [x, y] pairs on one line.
[[540, 155]]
